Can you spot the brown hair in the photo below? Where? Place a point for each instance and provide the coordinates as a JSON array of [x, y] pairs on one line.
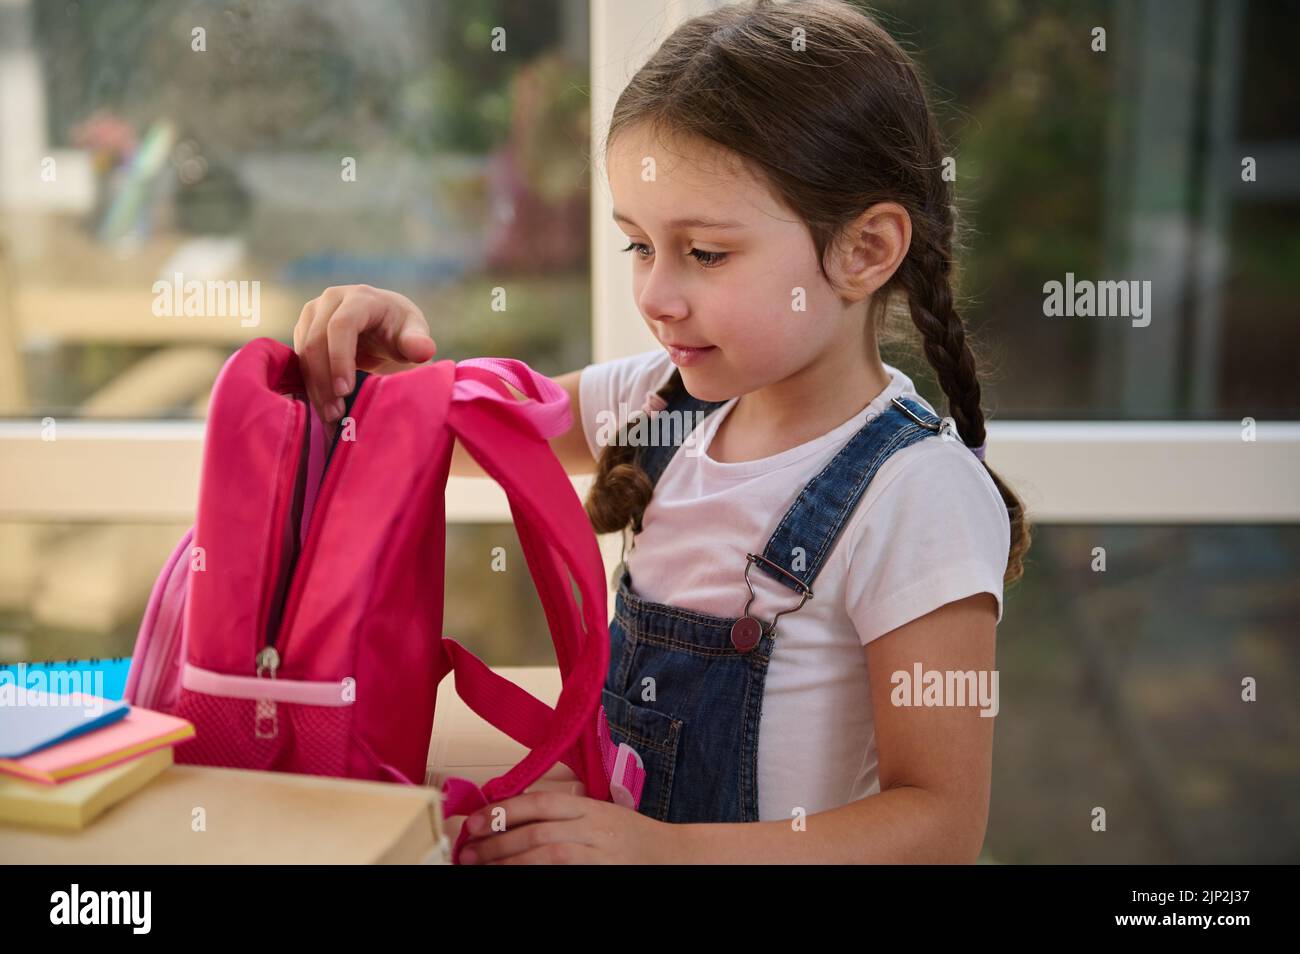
[[833, 128]]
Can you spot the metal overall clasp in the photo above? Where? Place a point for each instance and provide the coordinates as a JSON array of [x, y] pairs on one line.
[[748, 630], [617, 574], [945, 428]]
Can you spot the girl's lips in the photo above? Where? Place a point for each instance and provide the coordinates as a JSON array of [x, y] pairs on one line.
[[683, 357]]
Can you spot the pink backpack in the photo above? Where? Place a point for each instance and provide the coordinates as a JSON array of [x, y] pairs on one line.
[[298, 624]]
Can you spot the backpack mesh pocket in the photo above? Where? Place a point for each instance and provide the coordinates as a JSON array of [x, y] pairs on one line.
[[264, 735]]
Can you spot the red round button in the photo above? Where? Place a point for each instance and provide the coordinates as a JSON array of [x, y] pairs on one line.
[[745, 633]]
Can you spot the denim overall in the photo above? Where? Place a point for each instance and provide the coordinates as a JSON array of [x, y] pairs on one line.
[[679, 690]]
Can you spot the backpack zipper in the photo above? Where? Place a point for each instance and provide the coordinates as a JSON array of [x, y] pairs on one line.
[[269, 656], [266, 723], [290, 529]]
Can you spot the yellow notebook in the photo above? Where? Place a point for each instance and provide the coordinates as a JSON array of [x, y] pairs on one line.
[[77, 802]]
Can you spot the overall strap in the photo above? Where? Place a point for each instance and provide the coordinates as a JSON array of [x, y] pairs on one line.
[[823, 508]]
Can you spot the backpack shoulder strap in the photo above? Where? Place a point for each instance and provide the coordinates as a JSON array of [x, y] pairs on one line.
[[508, 438]]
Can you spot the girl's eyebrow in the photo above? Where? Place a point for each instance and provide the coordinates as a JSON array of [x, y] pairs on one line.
[[685, 223]]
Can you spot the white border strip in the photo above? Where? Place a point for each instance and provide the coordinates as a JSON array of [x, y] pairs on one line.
[[1065, 471], [148, 471], [1150, 472]]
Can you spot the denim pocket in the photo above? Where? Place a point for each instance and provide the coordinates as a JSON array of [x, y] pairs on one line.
[[654, 735]]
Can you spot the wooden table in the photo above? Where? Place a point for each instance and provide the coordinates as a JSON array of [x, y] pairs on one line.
[[279, 818]]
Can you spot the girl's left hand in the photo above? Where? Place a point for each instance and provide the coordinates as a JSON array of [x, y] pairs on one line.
[[554, 828]]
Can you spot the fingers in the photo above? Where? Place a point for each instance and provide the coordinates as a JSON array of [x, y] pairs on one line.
[[312, 344], [356, 326], [528, 807], [550, 842], [303, 323], [413, 340], [353, 315]]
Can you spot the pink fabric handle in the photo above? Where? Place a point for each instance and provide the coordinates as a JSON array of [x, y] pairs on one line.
[[304, 692], [623, 767], [547, 411]]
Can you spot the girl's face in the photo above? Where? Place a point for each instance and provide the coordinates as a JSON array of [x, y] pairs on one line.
[[717, 262]]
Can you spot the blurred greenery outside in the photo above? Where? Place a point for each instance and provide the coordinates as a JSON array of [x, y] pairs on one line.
[[1051, 138], [449, 137], [1114, 685]]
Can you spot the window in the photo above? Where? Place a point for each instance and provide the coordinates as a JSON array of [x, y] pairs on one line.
[[260, 154], [1124, 165], [264, 153]]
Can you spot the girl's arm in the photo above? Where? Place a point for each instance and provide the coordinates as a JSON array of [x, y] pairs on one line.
[[935, 765]]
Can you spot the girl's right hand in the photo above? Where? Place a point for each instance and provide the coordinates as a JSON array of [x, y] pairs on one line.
[[356, 326]]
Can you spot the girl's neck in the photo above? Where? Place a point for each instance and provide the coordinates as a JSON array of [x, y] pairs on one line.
[[800, 408]]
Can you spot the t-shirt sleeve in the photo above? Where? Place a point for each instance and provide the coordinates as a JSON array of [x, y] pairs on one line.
[[931, 528], [609, 391]]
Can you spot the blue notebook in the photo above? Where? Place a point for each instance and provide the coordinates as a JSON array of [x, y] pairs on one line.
[[25, 729], [43, 720]]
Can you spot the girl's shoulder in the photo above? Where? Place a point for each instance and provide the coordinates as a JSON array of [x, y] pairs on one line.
[[931, 528], [930, 482]]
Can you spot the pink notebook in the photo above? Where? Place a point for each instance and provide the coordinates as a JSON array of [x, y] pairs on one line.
[[141, 731]]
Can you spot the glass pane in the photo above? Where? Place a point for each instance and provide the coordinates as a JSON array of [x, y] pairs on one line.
[[176, 179], [1123, 165], [1123, 689], [78, 591]]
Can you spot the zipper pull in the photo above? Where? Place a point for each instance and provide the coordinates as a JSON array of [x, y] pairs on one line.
[[266, 722], [267, 658]]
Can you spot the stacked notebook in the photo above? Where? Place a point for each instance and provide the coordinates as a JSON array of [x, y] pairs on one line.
[[64, 759]]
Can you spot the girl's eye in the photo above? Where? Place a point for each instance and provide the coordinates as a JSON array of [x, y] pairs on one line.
[[707, 259]]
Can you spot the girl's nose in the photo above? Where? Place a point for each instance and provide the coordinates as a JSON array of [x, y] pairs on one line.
[[661, 298]]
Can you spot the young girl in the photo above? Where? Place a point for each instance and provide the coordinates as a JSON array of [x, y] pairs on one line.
[[816, 541]]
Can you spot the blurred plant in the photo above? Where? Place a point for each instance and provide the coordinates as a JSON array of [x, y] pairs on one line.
[[110, 139], [537, 180], [1029, 134], [551, 126]]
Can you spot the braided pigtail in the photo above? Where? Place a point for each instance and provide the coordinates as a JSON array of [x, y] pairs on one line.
[[621, 490], [926, 276]]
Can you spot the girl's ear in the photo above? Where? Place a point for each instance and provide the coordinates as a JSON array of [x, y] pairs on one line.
[[870, 249]]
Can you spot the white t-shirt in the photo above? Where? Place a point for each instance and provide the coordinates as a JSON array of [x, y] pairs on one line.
[[931, 528]]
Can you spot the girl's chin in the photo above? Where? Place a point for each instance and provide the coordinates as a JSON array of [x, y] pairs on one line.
[[703, 386]]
